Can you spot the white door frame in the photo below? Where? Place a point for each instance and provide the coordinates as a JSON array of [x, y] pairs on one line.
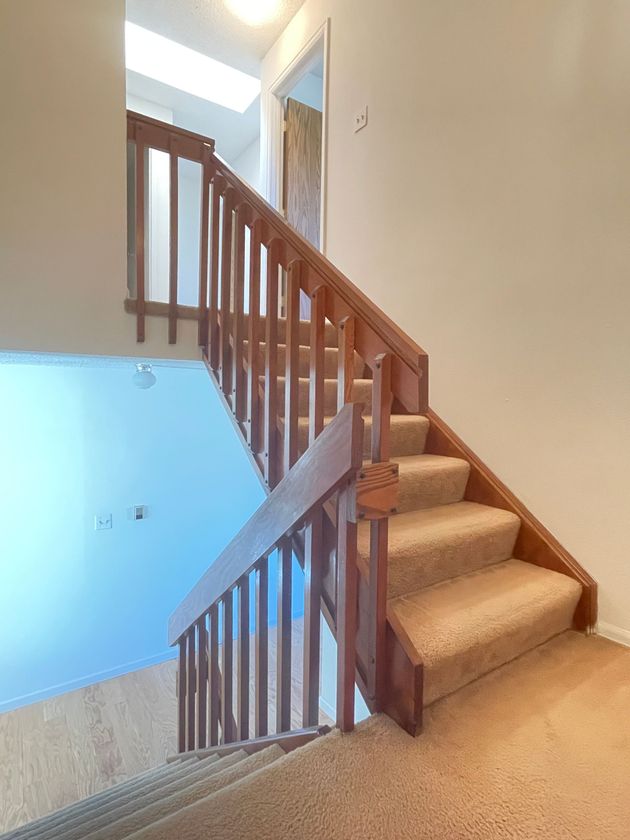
[[308, 56]]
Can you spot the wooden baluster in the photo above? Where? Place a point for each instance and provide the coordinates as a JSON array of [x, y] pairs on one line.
[[242, 215], [202, 338], [262, 648], [345, 361], [253, 339], [215, 685], [283, 638], [182, 682], [227, 715], [243, 659], [347, 606], [379, 528], [312, 599], [173, 242], [191, 691], [218, 186], [292, 371], [226, 292], [140, 212], [202, 683], [316, 387], [271, 366]]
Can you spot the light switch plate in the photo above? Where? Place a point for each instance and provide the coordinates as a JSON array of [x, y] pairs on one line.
[[360, 119], [102, 521]]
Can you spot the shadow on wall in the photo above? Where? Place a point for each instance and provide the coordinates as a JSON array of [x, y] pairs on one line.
[[78, 440]]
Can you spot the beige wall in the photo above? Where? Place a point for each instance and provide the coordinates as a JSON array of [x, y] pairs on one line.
[[486, 208], [62, 193]]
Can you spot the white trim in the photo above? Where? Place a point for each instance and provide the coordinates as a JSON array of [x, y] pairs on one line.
[[273, 116], [89, 679], [19, 357], [615, 634]]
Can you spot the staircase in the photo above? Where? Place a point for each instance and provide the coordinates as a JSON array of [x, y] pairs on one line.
[[429, 572], [145, 806], [455, 576]]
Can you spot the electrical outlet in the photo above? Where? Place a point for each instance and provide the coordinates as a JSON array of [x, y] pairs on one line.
[[360, 119], [102, 521]]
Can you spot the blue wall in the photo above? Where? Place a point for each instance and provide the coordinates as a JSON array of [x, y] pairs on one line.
[[78, 604]]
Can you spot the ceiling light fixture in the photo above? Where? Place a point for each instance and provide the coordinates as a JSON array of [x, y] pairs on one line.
[[174, 64], [144, 377], [254, 12]]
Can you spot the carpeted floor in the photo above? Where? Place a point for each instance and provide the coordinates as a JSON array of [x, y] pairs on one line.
[[538, 749]]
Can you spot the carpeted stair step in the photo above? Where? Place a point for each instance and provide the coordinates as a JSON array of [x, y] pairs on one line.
[[70, 815], [429, 546], [52, 822], [408, 434], [190, 814], [188, 794], [361, 392], [90, 817], [427, 481], [331, 337], [331, 356], [465, 627], [195, 820]]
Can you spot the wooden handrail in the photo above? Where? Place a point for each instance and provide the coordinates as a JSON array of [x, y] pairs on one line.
[[337, 454]]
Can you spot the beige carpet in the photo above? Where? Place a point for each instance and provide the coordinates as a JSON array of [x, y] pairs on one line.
[[538, 749]]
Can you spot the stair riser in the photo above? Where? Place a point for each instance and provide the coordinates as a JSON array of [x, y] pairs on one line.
[[414, 566], [407, 439], [421, 490]]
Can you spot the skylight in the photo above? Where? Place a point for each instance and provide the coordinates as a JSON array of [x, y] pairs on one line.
[[174, 64]]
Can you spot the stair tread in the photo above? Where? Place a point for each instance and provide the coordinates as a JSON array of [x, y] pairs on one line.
[[431, 545], [474, 623], [364, 383], [428, 481], [445, 520]]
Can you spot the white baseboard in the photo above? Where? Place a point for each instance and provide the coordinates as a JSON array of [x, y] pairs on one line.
[[81, 682], [615, 634]]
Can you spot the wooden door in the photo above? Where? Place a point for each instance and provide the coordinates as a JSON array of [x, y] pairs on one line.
[[303, 169]]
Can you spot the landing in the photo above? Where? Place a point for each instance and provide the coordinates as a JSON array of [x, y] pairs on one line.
[[540, 748]]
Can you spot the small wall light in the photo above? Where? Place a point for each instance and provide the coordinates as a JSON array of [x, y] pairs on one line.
[[144, 377]]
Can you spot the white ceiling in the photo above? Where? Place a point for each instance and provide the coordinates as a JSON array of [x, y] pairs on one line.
[[209, 27], [232, 132]]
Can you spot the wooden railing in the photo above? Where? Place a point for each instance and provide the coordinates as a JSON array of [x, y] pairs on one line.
[[256, 275], [214, 648]]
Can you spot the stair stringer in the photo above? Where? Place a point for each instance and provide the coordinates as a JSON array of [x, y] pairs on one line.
[[534, 543]]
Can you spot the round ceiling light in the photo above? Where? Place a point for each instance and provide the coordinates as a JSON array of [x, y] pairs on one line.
[[254, 12], [144, 377]]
